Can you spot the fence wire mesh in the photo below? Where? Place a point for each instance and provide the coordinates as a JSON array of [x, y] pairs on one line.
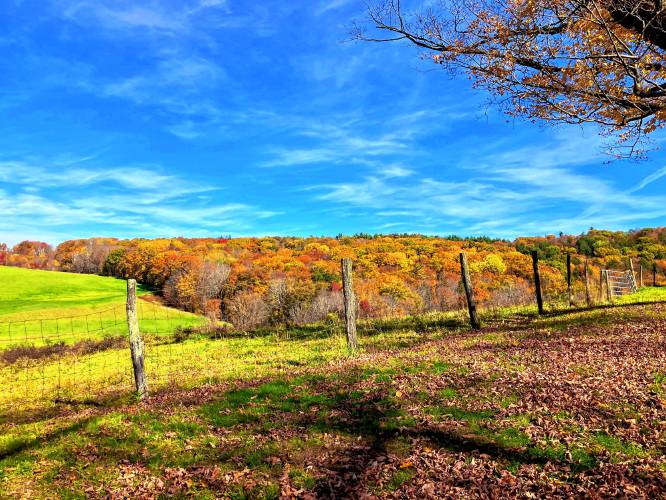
[[85, 358], [62, 358]]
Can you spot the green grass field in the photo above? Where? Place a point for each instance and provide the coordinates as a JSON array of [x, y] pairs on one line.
[[64, 335], [44, 307], [31, 294], [529, 405]]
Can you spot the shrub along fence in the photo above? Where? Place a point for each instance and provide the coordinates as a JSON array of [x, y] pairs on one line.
[[144, 345]]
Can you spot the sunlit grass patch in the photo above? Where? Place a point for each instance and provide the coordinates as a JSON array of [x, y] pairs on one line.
[[439, 367], [509, 400], [399, 478], [448, 393], [70, 326], [492, 339], [443, 412], [645, 294], [302, 479], [659, 385], [616, 447], [34, 294]]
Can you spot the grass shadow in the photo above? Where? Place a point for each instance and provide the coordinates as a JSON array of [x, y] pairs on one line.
[[575, 310]]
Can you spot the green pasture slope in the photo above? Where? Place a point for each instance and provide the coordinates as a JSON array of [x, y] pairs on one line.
[[39, 307], [24, 292]]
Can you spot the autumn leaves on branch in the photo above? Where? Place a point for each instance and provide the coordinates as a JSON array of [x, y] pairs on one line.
[[557, 61]]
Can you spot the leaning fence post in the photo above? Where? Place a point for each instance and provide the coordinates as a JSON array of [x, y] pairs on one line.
[[588, 297], [640, 276], [350, 304], [631, 267], [136, 344], [569, 294], [537, 280], [469, 292]]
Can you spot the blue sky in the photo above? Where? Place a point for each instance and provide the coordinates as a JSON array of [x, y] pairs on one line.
[[215, 117]]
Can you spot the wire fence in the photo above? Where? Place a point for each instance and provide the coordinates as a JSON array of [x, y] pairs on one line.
[[82, 358], [85, 358], [61, 358]]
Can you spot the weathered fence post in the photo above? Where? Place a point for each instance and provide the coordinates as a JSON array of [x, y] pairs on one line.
[[569, 294], [601, 285], [609, 292], [588, 297], [537, 280], [136, 344], [640, 276], [631, 267], [350, 304], [469, 292], [654, 274]]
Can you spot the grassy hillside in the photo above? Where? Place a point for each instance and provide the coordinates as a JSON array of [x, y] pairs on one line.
[[563, 405], [28, 293], [44, 307]]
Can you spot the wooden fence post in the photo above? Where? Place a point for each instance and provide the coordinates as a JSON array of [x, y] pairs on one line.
[[640, 276], [588, 297], [609, 292], [136, 344], [350, 304], [601, 285], [469, 292], [537, 280], [631, 267], [654, 274], [569, 293]]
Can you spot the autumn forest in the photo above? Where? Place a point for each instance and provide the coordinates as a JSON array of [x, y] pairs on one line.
[[253, 282]]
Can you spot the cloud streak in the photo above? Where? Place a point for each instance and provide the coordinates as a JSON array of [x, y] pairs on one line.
[[502, 197], [653, 177], [124, 201]]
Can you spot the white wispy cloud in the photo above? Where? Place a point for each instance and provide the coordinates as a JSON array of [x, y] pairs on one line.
[[187, 18], [116, 15], [124, 201], [524, 191], [396, 170], [654, 176], [48, 175], [329, 5], [355, 139], [176, 74], [339, 69]]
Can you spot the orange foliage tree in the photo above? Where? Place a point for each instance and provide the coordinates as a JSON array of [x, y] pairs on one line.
[[561, 61]]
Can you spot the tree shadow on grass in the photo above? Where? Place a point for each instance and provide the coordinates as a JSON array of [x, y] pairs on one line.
[[19, 445], [63, 407], [373, 423], [369, 420], [316, 403]]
